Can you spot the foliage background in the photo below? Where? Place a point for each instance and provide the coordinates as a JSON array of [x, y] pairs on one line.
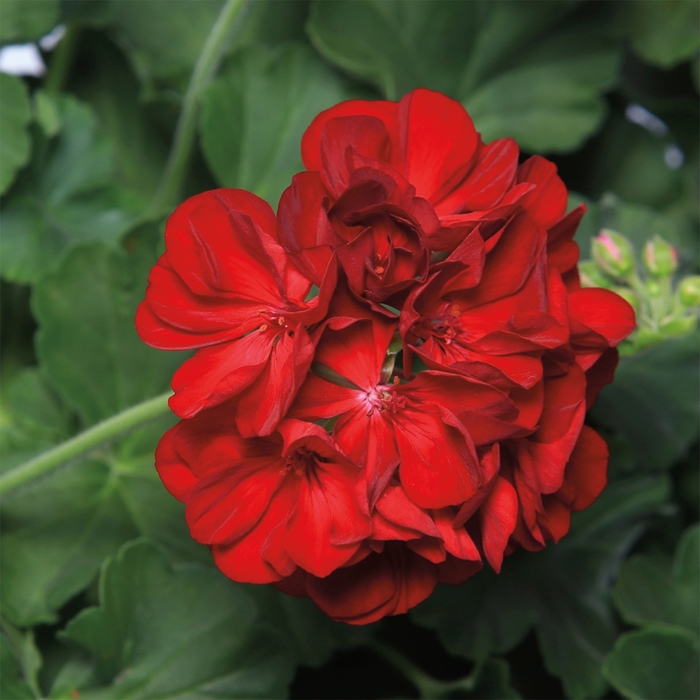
[[103, 594]]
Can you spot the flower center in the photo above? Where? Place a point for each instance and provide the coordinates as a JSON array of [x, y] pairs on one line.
[[267, 318], [301, 462], [444, 325], [384, 397]]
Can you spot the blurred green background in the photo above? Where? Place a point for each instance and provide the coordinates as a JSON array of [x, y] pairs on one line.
[[144, 102]]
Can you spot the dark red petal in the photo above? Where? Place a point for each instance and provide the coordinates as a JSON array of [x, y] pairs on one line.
[[586, 472], [243, 559], [491, 176], [381, 584], [266, 401], [176, 475], [498, 518], [456, 539], [600, 374], [599, 318], [311, 141]]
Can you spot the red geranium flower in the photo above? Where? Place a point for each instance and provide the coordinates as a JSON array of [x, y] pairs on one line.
[[392, 375]]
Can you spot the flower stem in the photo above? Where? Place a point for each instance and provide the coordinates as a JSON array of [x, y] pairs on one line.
[[207, 63], [84, 442]]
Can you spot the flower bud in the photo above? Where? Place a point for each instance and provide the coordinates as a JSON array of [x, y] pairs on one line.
[[689, 290], [660, 257], [613, 253]]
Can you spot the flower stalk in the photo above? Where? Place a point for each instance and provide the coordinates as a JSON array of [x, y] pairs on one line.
[[207, 63], [79, 445]]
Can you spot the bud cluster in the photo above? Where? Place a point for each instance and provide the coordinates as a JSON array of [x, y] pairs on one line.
[[664, 310]]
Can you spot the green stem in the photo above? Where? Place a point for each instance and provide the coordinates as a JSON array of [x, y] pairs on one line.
[[207, 63], [61, 62], [84, 442]]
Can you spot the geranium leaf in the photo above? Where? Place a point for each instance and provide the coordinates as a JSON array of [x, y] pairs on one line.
[[396, 46], [26, 21], [653, 401], [255, 112], [15, 115], [87, 343], [545, 91], [662, 32], [55, 535], [650, 589], [560, 591], [64, 197], [56, 532], [657, 663], [164, 632], [551, 101], [12, 685]]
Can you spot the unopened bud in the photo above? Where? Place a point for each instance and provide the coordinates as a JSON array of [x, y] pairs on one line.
[[660, 257], [613, 253], [689, 290]]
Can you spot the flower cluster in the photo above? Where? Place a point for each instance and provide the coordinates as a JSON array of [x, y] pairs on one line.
[[391, 374]]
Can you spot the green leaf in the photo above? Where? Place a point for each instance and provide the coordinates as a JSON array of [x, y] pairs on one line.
[[396, 46], [254, 115], [551, 99], [33, 418], [20, 662], [26, 20], [534, 71], [662, 32], [270, 22], [66, 197], [163, 40], [650, 590], [653, 401], [164, 632], [12, 685], [561, 591], [55, 535], [139, 144], [310, 634], [15, 115], [87, 342], [56, 532], [655, 663]]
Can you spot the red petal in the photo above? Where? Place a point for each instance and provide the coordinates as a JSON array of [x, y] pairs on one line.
[[382, 584], [586, 472], [498, 518], [438, 140], [311, 141], [439, 466], [174, 472], [599, 318], [546, 203], [215, 374], [491, 176]]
